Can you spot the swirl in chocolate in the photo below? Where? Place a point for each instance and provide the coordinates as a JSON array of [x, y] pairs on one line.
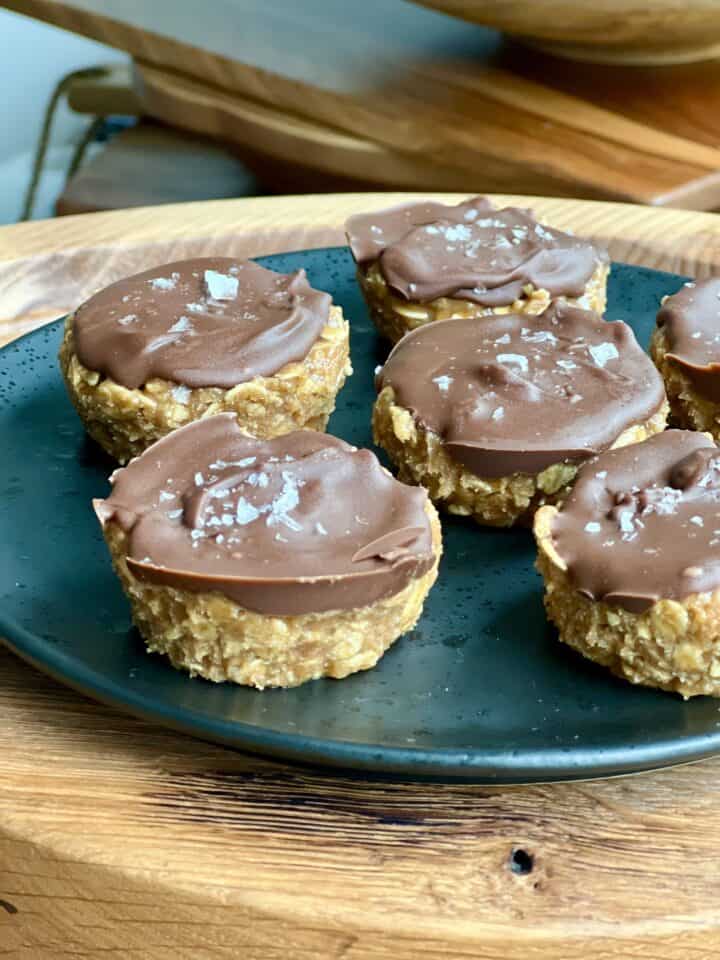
[[297, 524], [471, 252], [643, 522], [212, 322], [691, 322], [513, 394]]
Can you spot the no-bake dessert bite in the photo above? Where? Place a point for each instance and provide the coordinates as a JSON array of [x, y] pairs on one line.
[[422, 262], [631, 562], [268, 562], [686, 348], [495, 418], [187, 340]]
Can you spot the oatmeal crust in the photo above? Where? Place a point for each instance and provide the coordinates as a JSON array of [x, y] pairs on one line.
[[421, 458], [687, 408], [126, 421], [673, 645], [394, 316], [211, 636]]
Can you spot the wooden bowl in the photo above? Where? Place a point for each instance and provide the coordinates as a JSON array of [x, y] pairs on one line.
[[606, 31]]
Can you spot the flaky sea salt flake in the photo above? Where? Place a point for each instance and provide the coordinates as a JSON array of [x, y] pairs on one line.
[[443, 383], [181, 325], [245, 512], [221, 286], [163, 283], [602, 353], [514, 359]]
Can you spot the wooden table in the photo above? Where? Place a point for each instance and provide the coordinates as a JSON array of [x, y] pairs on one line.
[[387, 92], [121, 841]]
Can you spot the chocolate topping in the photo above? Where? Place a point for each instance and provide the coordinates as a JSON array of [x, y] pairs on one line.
[[298, 524], [515, 394], [213, 322], [691, 321], [471, 251], [643, 522]]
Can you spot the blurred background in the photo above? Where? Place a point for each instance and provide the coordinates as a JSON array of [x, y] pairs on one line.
[[609, 99], [35, 58]]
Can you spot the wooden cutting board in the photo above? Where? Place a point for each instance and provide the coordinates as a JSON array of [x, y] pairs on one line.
[[122, 841], [291, 154], [446, 93]]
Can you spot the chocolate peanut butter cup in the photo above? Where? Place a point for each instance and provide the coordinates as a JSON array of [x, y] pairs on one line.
[[631, 562], [496, 417], [422, 262], [189, 339], [268, 562], [686, 349]]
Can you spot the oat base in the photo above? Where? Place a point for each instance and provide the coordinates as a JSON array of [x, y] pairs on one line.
[[125, 422], [687, 408], [394, 317], [211, 636], [673, 645], [421, 458]]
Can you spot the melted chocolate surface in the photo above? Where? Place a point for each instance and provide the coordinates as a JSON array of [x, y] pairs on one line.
[[471, 252], [642, 523], [691, 321], [211, 322], [297, 524], [515, 394]]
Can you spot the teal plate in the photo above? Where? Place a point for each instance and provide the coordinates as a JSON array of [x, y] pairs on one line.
[[480, 690]]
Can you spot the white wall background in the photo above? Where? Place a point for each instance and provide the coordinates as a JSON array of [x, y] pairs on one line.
[[34, 57]]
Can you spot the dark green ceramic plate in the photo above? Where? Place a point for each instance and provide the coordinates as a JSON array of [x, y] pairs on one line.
[[480, 690]]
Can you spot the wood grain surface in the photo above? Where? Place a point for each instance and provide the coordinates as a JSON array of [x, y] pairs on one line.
[[122, 841], [152, 163], [421, 84], [48, 267], [619, 30], [289, 152]]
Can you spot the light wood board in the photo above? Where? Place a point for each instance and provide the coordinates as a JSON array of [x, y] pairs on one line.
[[48, 267], [421, 83], [290, 153], [121, 841]]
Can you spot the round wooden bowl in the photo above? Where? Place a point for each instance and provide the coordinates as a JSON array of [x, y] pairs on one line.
[[605, 31]]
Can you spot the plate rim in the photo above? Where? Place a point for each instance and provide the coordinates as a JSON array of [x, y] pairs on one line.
[[558, 763]]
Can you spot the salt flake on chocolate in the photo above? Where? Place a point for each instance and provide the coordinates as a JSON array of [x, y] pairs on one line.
[[245, 512], [443, 383], [183, 325], [162, 283], [513, 359], [540, 336], [221, 286], [603, 353]]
